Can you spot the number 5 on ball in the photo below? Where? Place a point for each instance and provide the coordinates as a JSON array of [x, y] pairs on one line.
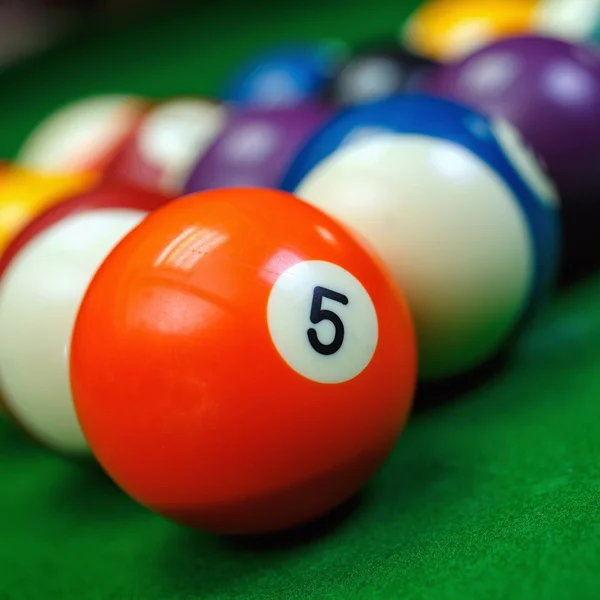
[[241, 363]]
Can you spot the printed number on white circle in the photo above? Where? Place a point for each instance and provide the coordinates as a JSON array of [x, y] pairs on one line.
[[322, 322]]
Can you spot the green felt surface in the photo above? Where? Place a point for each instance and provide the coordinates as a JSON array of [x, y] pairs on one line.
[[492, 493]]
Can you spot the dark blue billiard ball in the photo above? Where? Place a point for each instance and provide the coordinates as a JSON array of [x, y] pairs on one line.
[[458, 207], [375, 71], [285, 76]]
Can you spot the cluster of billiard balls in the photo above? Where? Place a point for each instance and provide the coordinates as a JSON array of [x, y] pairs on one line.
[[229, 303]]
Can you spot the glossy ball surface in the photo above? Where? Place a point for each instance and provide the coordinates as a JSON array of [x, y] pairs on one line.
[[376, 71], [457, 207], [284, 76], [170, 139], [258, 354], [549, 90], [83, 135], [24, 194], [256, 147], [445, 30], [43, 276], [573, 20]]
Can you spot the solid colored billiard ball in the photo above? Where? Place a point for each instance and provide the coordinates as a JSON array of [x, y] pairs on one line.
[[257, 362], [550, 90], [376, 71], [25, 193], [172, 136], [256, 147], [43, 276], [284, 76], [83, 135], [574, 20], [448, 29], [458, 208]]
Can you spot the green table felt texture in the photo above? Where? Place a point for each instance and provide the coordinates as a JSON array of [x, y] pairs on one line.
[[493, 493]]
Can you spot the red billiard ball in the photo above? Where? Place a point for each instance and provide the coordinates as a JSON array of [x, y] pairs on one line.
[[241, 362], [171, 138], [43, 276]]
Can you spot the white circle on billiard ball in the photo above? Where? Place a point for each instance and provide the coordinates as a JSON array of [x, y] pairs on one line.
[[448, 228], [369, 78], [40, 295], [322, 321], [525, 161], [176, 134]]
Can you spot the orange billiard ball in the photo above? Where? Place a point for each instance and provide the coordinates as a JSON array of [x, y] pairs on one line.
[[241, 362]]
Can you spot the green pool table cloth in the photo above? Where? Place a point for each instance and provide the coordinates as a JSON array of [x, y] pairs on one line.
[[492, 493]]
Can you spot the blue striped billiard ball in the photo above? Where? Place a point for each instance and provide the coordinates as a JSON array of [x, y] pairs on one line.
[[456, 204]]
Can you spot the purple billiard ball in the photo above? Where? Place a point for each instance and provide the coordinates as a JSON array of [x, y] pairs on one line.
[[550, 90], [256, 147]]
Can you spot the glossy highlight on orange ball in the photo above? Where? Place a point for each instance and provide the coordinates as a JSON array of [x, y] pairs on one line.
[[241, 362]]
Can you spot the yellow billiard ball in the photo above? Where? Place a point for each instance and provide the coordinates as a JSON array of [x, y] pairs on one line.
[[445, 30], [25, 193]]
